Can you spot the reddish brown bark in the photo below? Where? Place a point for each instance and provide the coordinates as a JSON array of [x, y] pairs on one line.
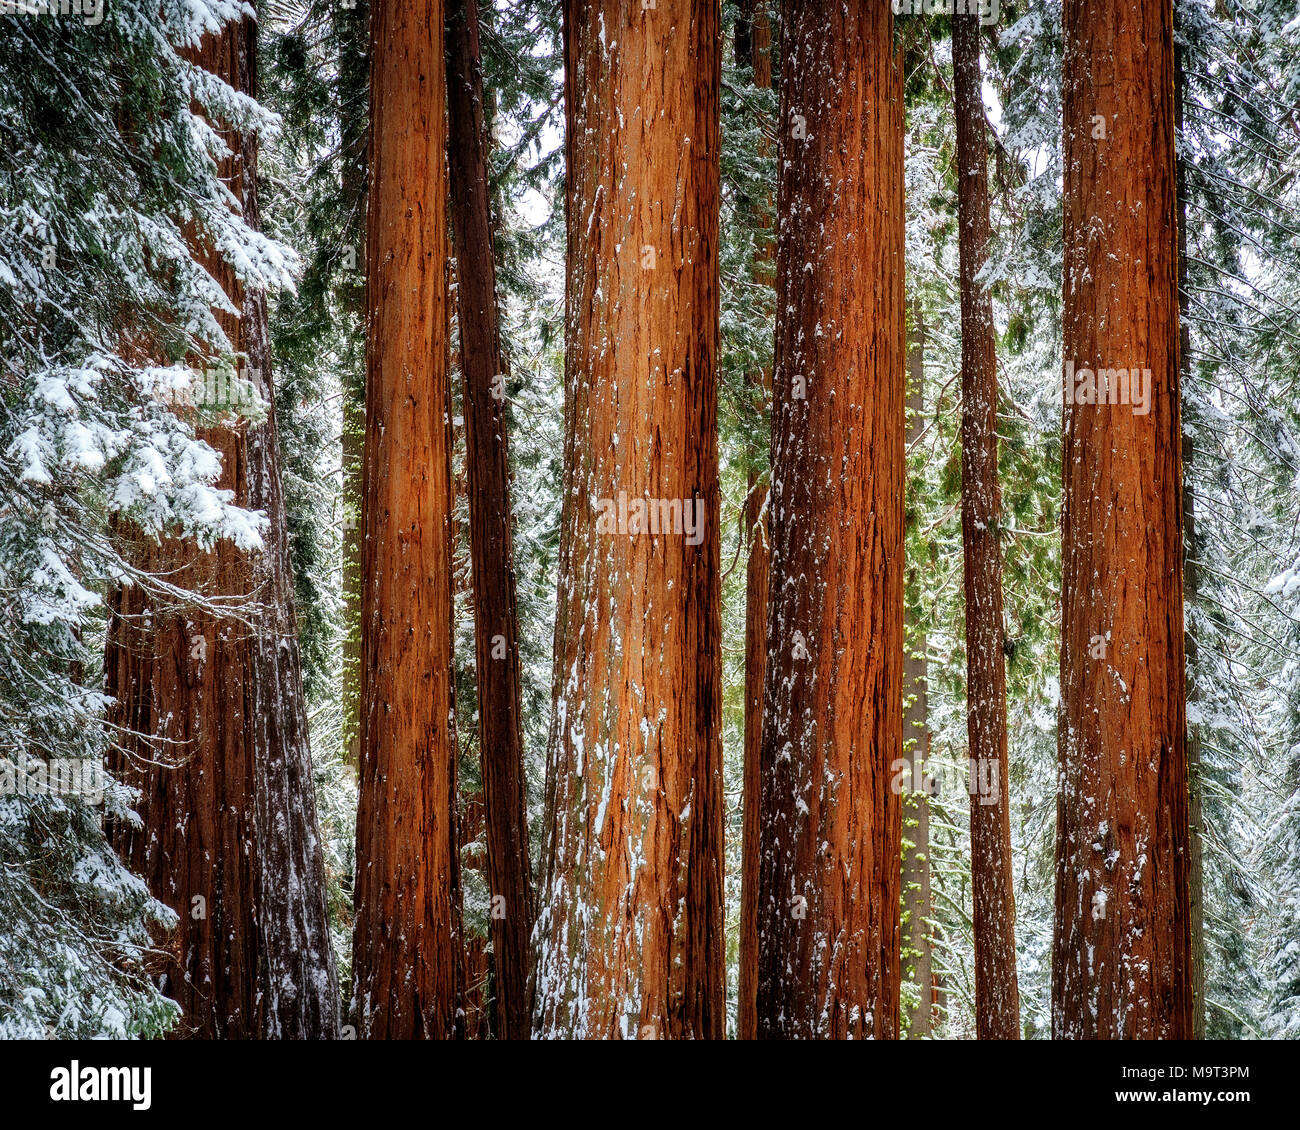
[[496, 627], [407, 938], [832, 713], [230, 838], [179, 682], [1122, 956], [997, 997], [630, 930], [754, 49]]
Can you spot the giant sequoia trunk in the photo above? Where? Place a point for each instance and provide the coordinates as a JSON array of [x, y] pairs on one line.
[[180, 682], [754, 49], [496, 632], [832, 712], [230, 838], [997, 999], [1122, 962], [406, 943], [630, 932]]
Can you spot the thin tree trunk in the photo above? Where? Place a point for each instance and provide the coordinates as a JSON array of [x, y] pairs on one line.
[[478, 958], [630, 932], [1122, 954], [754, 49], [496, 630], [354, 66], [997, 998], [230, 837], [353, 451], [1191, 586], [1196, 788], [918, 946], [407, 938], [829, 928]]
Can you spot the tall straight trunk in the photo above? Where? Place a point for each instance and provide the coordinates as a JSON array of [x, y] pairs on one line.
[[353, 448], [407, 938], [1195, 780], [496, 626], [1122, 963], [353, 81], [630, 932], [1191, 585], [832, 710], [230, 837], [754, 49], [997, 998], [918, 945]]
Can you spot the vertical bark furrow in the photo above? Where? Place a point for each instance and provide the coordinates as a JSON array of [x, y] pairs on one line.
[[629, 934], [496, 627], [1122, 961], [230, 837], [407, 936], [832, 716]]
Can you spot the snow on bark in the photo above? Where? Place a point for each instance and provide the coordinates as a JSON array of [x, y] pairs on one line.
[[629, 935], [214, 721], [829, 928], [1122, 952]]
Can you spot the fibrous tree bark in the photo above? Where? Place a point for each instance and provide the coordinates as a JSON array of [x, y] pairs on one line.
[[496, 627], [179, 682], [1122, 952], [629, 932], [300, 984], [407, 938], [830, 815], [230, 837], [754, 49], [997, 998]]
